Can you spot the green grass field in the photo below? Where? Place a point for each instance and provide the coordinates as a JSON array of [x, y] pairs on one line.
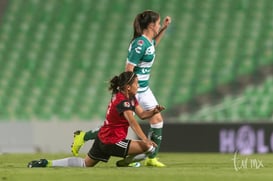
[[180, 166]]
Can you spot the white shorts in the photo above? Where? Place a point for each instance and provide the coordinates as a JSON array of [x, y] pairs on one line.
[[146, 99]]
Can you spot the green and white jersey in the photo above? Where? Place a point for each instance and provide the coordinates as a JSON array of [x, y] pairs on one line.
[[141, 54]]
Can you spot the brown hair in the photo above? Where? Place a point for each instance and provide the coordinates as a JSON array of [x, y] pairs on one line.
[[118, 83], [142, 20]]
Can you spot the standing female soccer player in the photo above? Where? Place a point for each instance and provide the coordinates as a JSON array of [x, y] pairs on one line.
[[141, 56], [111, 139]]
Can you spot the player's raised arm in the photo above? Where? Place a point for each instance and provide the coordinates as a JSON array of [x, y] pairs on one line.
[[166, 23]]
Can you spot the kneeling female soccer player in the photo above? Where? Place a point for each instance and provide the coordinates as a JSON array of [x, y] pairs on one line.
[[111, 139]]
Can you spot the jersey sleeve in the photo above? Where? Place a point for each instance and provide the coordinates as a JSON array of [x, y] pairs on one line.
[[136, 51], [124, 106]]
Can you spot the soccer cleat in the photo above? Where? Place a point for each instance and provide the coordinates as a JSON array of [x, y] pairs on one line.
[[153, 162], [134, 164], [77, 142], [121, 163], [37, 163]]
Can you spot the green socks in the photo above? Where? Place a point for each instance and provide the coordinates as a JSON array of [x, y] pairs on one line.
[[155, 134], [90, 135]]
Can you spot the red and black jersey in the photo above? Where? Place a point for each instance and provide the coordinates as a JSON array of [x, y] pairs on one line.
[[115, 126]]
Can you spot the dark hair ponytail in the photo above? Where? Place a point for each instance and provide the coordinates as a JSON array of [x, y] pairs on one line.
[[137, 28], [142, 20], [118, 83], [114, 83]]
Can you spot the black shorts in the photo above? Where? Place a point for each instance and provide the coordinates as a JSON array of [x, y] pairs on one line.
[[102, 152]]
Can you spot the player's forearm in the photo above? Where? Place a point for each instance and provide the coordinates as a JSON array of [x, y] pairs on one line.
[[166, 23], [150, 113], [134, 125], [138, 131], [159, 36], [147, 114]]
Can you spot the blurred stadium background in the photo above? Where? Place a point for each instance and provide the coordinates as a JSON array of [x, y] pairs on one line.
[[215, 64]]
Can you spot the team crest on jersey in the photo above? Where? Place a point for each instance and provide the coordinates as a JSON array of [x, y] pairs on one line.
[[140, 42], [126, 104]]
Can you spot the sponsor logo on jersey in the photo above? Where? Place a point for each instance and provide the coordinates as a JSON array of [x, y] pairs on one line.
[[145, 70], [126, 104], [138, 50]]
